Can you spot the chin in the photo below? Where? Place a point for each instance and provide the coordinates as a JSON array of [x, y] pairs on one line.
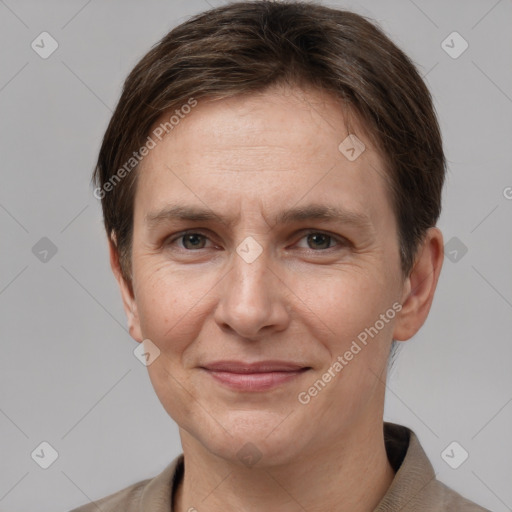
[[259, 439]]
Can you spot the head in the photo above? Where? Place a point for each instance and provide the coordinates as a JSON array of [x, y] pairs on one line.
[[250, 128]]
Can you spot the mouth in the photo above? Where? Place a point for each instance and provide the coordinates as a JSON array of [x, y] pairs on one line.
[[255, 377]]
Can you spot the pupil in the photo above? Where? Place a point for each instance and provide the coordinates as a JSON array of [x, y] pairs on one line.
[[315, 237], [191, 238]]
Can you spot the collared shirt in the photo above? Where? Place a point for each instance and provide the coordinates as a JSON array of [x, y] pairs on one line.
[[413, 489]]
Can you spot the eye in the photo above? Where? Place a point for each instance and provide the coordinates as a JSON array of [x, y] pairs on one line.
[[190, 240], [318, 240]]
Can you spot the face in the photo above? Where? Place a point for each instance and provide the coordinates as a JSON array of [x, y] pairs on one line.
[[261, 276]]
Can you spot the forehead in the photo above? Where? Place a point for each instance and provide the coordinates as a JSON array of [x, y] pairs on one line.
[[272, 148]]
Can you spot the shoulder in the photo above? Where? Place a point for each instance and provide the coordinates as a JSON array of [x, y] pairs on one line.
[[443, 498], [415, 486], [126, 500], [153, 494]]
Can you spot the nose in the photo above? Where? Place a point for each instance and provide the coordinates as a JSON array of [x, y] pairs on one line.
[[253, 298]]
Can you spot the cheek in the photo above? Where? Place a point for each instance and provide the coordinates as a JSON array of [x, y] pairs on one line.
[[342, 304], [171, 310], [173, 390], [359, 342], [366, 322], [171, 304]]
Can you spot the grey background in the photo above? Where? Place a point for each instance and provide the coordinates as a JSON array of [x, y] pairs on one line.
[[68, 375]]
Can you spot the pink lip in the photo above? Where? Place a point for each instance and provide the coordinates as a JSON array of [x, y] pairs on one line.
[[254, 376]]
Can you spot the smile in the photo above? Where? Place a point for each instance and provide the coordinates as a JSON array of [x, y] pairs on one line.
[[254, 377]]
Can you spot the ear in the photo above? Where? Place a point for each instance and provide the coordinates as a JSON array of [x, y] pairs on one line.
[[129, 304], [419, 287]]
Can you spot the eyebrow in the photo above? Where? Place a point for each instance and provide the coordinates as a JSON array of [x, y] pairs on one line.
[[293, 215]]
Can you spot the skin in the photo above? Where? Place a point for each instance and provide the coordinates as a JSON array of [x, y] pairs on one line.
[[303, 299]]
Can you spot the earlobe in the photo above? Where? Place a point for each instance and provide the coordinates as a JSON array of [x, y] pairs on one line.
[[129, 303], [420, 286]]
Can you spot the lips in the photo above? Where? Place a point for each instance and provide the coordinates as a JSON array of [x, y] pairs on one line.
[[257, 367], [258, 376]]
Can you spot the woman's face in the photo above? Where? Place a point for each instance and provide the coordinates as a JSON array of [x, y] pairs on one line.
[[262, 278]]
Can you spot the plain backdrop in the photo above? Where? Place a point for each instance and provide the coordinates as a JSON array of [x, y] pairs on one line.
[[68, 375]]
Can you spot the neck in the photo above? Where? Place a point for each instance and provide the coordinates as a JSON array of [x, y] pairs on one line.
[[351, 474]]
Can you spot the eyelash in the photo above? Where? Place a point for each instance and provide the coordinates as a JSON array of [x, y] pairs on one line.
[[342, 242]]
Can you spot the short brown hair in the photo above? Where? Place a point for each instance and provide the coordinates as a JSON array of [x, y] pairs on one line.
[[246, 47]]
